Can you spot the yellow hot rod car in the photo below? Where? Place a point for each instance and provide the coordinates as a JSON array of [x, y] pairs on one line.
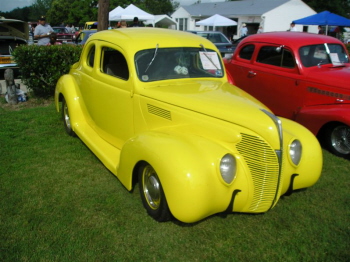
[[155, 106]]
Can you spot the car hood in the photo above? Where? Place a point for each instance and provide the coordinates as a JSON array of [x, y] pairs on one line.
[[14, 29], [216, 99], [331, 76]]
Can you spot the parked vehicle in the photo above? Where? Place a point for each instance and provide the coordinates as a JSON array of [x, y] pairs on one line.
[[83, 36], [12, 34], [90, 25], [63, 36], [219, 39], [301, 76], [154, 106]]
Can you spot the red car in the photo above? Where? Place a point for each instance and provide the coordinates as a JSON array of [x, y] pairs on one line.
[[301, 76], [63, 35]]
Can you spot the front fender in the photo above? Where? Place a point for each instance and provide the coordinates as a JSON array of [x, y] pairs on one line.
[[67, 87], [187, 167], [315, 117], [310, 167]]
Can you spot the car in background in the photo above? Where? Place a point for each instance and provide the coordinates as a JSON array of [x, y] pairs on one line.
[[90, 25], [63, 35], [83, 36], [139, 108], [13, 33], [301, 76], [219, 39]]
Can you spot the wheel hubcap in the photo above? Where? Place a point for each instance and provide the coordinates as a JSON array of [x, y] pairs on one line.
[[66, 116], [151, 187], [340, 139]]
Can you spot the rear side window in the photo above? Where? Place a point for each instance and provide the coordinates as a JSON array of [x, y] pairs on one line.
[[247, 52], [276, 56], [114, 63]]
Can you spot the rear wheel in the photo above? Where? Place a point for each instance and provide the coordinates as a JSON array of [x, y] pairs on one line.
[[152, 194], [66, 118], [337, 140]]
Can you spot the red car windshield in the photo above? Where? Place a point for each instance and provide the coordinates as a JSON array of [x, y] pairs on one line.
[[316, 55]]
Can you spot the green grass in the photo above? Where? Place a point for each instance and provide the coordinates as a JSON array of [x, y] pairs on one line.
[[59, 203]]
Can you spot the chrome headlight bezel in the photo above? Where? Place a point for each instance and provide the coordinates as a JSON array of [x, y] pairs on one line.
[[295, 152], [228, 168]]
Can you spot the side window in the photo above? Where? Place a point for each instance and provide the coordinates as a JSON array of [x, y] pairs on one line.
[[91, 57], [276, 56], [247, 52], [114, 63]]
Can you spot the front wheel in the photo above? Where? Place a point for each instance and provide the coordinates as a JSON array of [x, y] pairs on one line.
[[152, 194], [66, 118], [337, 140]]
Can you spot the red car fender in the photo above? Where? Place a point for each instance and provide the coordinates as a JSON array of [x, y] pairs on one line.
[[315, 117]]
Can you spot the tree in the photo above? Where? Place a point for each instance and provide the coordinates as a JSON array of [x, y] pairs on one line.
[[103, 6], [339, 7]]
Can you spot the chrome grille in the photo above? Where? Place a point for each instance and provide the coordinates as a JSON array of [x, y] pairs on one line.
[[264, 168]]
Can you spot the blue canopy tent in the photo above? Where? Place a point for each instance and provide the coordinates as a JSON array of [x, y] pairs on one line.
[[324, 18]]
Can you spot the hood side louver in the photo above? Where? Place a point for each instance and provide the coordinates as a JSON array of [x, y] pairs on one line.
[[159, 111]]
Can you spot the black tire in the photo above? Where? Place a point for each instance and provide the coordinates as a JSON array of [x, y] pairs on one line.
[[336, 139], [152, 194], [66, 118]]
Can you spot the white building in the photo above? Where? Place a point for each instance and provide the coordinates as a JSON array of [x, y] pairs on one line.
[[272, 15]]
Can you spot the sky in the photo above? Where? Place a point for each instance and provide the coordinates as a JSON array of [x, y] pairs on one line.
[[9, 5]]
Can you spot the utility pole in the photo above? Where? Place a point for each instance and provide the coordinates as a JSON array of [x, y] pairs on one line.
[[102, 18]]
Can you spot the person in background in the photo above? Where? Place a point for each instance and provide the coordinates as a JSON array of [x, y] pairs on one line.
[[53, 39], [72, 29], [136, 22], [42, 32], [123, 24], [68, 29], [260, 30], [320, 30], [293, 28], [244, 30]]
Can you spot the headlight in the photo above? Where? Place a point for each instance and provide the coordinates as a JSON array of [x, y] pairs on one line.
[[228, 168], [295, 150]]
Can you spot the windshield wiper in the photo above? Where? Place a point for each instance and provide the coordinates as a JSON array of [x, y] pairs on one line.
[[211, 61], [154, 56]]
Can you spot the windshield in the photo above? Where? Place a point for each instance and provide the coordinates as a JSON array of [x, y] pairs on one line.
[[175, 63], [315, 55], [216, 38]]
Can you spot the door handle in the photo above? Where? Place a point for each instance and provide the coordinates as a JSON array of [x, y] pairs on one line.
[[251, 74]]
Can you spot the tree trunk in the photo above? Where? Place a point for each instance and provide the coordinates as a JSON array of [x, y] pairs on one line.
[[103, 7]]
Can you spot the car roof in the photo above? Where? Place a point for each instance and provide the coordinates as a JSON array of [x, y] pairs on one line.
[[294, 39], [148, 38]]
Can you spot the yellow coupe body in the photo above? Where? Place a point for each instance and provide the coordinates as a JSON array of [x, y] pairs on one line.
[[155, 106]]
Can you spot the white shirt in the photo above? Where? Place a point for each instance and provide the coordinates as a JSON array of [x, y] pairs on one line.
[[43, 30]]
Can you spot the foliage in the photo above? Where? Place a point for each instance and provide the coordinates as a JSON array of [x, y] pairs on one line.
[[41, 66], [339, 7], [59, 203]]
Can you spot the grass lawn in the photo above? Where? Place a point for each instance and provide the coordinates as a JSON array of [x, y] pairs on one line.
[[59, 203]]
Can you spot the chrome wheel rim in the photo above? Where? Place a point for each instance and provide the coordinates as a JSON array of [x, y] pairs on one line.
[[151, 187], [340, 139], [66, 116]]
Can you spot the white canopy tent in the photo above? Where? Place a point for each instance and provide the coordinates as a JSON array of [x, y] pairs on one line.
[[130, 12], [217, 20], [114, 12], [163, 20]]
